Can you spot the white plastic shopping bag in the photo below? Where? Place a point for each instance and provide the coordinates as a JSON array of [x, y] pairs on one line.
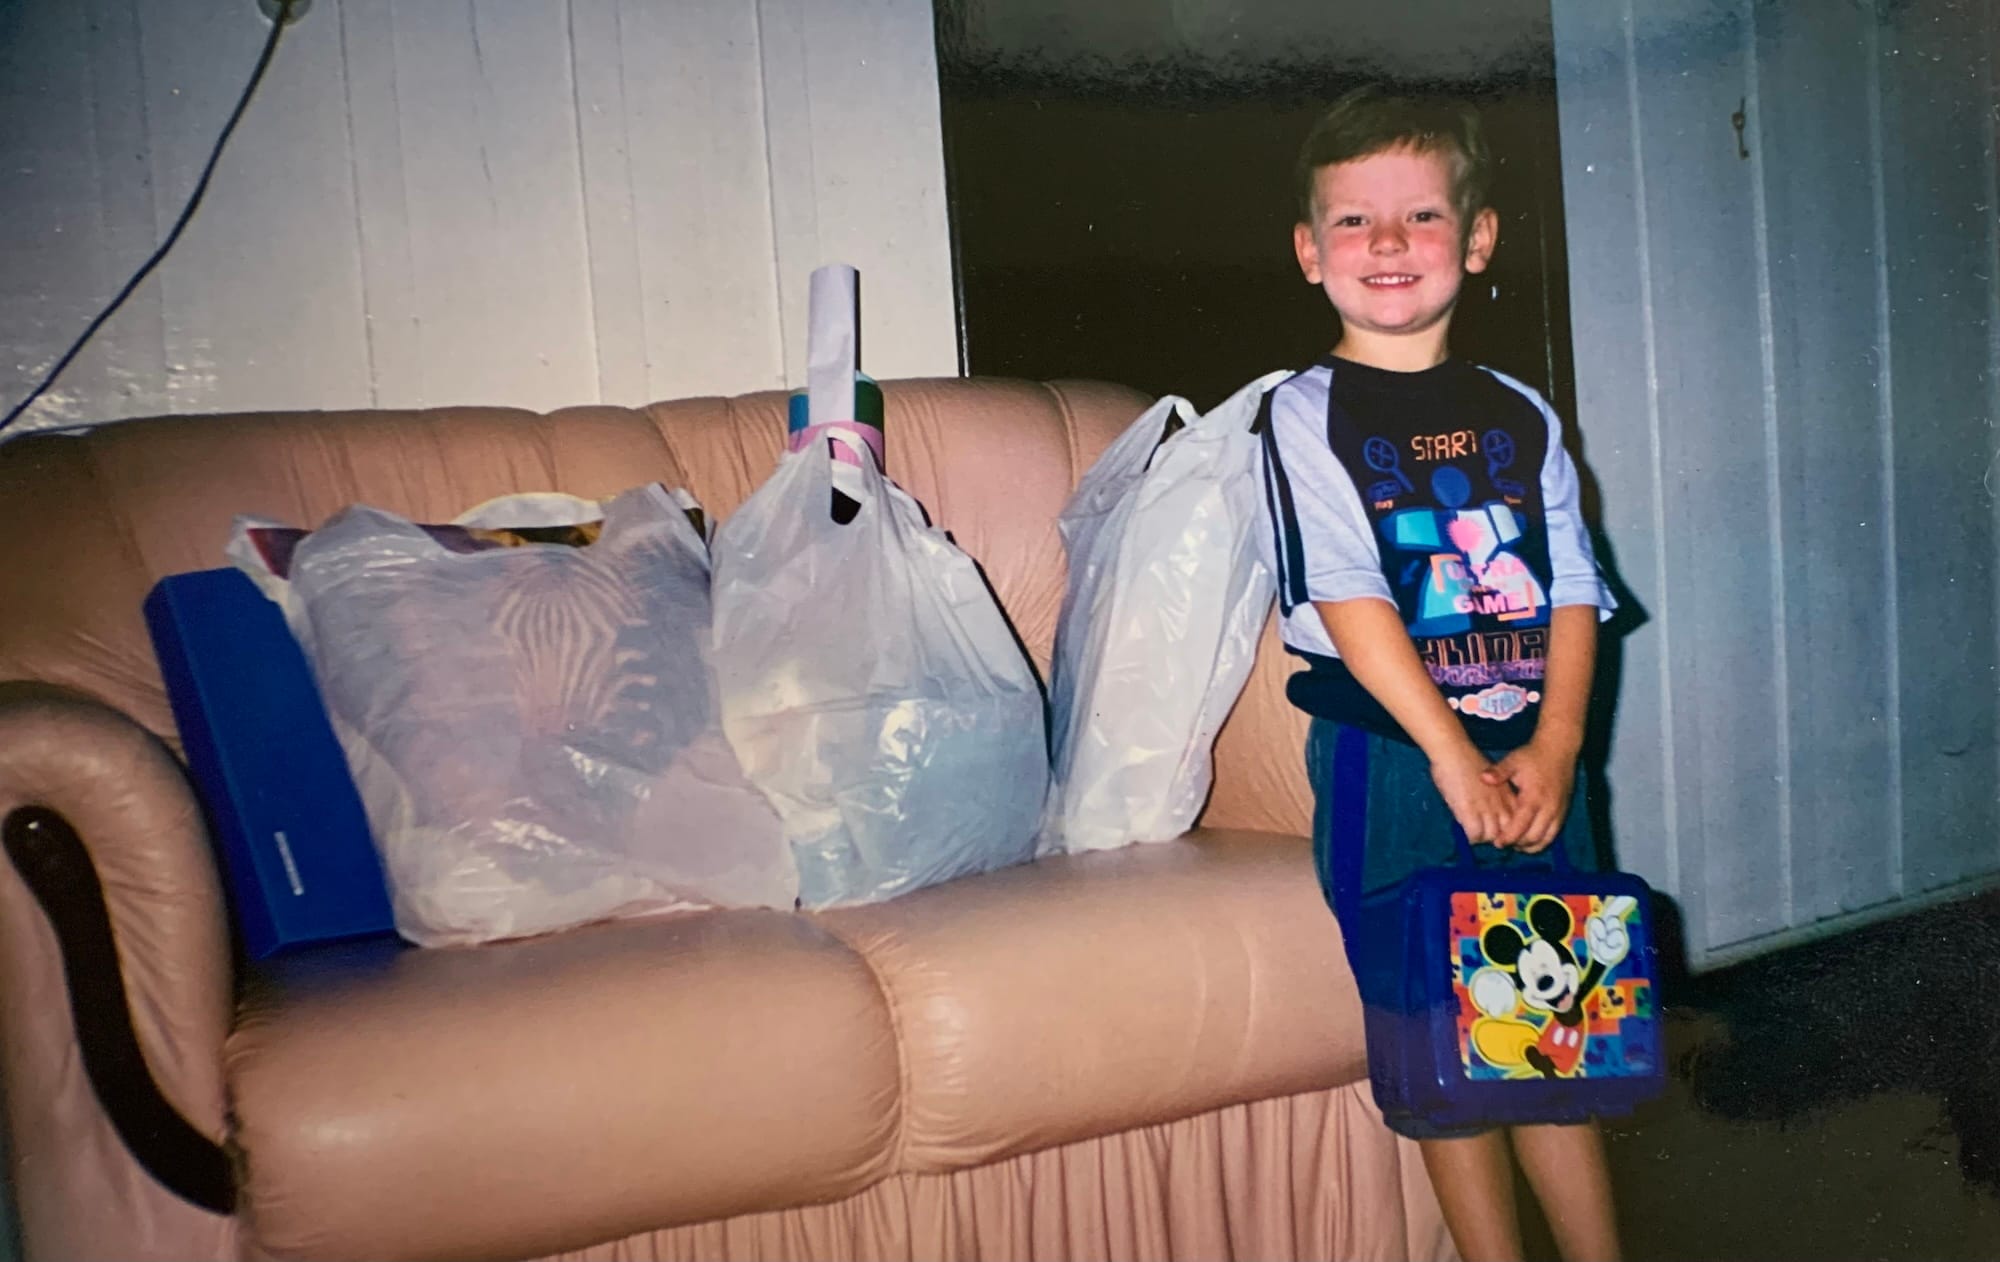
[[1169, 587], [872, 688], [533, 726]]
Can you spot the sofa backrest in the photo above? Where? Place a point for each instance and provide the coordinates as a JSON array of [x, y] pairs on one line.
[[89, 522]]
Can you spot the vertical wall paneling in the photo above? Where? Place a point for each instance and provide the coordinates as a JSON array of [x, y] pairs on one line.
[[1813, 127], [857, 152], [790, 151], [77, 168], [1883, 357], [1605, 165], [127, 361], [262, 297], [1939, 207], [1723, 702], [604, 150], [436, 202], [1751, 147], [373, 110], [43, 54], [1786, 371], [489, 174], [700, 191]]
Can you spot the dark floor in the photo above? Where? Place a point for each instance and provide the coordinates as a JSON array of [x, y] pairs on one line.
[[1834, 1101]]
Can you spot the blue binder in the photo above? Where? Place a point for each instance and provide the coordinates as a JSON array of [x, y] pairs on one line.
[[289, 827]]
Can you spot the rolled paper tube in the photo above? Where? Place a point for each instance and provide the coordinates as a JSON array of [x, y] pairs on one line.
[[833, 317]]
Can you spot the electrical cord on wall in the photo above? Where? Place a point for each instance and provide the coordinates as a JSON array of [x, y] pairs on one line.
[[278, 22]]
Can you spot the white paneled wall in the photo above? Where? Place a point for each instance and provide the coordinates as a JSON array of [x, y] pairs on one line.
[[526, 202], [1783, 254]]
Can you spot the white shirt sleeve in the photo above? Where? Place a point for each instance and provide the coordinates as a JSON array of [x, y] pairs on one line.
[[1336, 541], [1337, 555], [1574, 577]]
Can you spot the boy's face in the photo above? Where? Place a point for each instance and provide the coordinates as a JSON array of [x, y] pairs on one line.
[[1390, 247]]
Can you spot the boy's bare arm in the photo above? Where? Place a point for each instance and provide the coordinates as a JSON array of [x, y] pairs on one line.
[[1543, 772], [1376, 647]]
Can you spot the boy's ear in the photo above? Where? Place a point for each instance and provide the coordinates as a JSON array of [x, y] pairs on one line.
[[1307, 248], [1479, 242]]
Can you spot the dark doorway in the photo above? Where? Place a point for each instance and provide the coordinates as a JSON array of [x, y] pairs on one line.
[[1121, 190]]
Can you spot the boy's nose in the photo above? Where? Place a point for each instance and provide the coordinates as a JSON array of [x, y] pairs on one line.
[[1388, 239]]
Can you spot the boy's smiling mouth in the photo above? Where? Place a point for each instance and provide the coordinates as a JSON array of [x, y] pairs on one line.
[[1391, 280]]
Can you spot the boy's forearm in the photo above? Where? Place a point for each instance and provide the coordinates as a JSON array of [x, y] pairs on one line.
[[1571, 665], [1376, 647]]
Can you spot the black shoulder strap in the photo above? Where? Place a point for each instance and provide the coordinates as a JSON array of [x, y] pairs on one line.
[[1284, 514]]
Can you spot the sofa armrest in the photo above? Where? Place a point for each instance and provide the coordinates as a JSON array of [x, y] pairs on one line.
[[112, 924]]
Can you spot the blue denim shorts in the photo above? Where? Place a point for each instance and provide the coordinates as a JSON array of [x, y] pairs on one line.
[[1377, 821]]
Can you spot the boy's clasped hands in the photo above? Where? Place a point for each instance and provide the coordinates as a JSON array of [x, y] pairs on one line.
[[1519, 801]]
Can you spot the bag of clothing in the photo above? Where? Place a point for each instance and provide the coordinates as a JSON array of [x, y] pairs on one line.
[[525, 701], [1169, 587], [871, 686]]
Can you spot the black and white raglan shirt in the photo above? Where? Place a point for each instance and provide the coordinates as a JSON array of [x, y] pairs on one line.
[[1447, 493]]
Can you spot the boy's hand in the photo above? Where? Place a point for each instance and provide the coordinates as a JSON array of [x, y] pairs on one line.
[[1478, 797], [1542, 777]]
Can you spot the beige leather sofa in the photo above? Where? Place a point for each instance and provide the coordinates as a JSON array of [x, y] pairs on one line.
[[1152, 1053]]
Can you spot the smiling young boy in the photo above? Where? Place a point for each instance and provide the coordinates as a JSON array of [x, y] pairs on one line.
[[1436, 577]]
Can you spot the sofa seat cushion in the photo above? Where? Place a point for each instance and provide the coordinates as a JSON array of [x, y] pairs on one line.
[[531, 1097], [1085, 995], [525, 1097]]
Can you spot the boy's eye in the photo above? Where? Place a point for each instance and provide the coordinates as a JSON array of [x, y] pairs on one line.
[[1427, 216], [1347, 221]]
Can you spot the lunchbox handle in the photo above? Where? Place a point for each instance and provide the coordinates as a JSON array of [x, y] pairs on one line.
[[1556, 853]]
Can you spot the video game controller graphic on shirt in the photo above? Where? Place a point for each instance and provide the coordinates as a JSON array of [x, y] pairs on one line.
[[1465, 553]]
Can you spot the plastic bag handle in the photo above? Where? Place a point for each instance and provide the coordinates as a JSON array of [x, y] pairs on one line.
[[1557, 851], [846, 504], [849, 440]]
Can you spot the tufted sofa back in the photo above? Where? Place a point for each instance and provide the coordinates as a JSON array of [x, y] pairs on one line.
[[89, 522]]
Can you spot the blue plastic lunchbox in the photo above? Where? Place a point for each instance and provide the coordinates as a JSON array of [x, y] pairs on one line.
[[1531, 996]]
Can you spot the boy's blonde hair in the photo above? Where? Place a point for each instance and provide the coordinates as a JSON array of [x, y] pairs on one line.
[[1374, 119]]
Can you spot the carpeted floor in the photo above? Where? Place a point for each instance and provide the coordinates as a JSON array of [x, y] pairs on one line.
[[1840, 1101]]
